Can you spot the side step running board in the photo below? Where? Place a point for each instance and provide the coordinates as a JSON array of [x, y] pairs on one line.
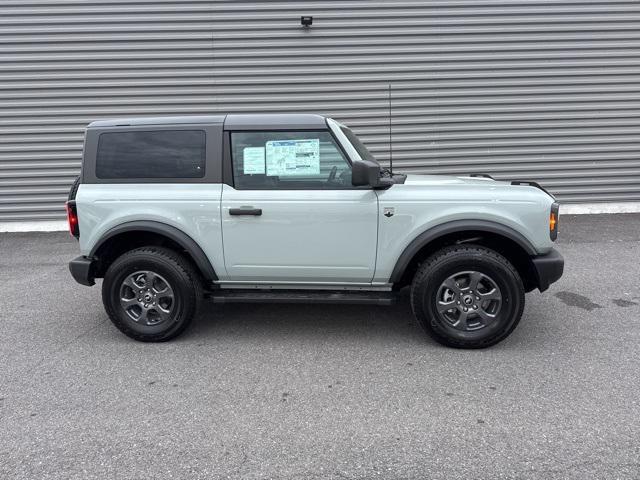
[[302, 296]]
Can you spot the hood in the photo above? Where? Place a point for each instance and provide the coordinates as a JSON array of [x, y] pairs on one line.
[[414, 179]]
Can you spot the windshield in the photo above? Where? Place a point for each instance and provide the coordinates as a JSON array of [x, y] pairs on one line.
[[364, 153]]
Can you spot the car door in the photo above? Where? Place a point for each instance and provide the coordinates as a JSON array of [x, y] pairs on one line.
[[290, 213]]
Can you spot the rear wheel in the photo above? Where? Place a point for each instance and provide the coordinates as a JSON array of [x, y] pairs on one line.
[[467, 296], [151, 294]]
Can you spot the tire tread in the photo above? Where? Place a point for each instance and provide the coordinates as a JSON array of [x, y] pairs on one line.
[[428, 267], [73, 191], [172, 259]]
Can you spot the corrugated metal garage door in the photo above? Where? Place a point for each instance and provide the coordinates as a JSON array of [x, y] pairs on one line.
[[542, 90], [66, 63]]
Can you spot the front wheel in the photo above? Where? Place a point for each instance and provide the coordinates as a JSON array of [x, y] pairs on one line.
[[151, 294], [467, 296]]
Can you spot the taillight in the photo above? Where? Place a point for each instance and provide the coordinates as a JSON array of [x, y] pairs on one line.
[[72, 218], [554, 218]]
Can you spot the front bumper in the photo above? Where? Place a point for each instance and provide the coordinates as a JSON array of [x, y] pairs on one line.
[[82, 269], [548, 268]]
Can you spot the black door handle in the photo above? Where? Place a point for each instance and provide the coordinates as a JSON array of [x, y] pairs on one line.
[[245, 211]]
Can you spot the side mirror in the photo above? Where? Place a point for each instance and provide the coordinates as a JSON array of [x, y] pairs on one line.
[[366, 172]]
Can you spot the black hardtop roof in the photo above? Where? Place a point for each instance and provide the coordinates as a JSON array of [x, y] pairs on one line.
[[270, 121], [285, 121]]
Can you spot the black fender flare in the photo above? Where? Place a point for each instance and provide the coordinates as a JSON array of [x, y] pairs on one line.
[[172, 233], [452, 227]]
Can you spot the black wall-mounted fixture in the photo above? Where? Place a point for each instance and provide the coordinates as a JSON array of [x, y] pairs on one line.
[[306, 21]]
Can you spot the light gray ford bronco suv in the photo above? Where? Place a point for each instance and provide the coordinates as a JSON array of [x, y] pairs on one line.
[[294, 208]]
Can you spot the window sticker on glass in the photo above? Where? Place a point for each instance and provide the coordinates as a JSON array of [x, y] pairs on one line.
[[253, 160], [293, 157]]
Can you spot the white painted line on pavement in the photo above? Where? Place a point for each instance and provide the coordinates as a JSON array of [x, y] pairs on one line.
[[43, 226], [591, 208]]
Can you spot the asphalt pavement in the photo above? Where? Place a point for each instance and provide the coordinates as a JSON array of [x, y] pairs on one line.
[[317, 391]]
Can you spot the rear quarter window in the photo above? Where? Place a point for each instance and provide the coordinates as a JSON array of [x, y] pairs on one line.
[[151, 154]]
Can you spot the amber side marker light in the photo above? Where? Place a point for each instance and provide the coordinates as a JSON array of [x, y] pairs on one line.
[[553, 221]]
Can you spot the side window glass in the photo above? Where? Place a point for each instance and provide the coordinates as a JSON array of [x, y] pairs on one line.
[[288, 161], [151, 154]]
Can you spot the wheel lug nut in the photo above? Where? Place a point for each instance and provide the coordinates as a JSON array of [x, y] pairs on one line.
[[465, 309], [458, 302], [477, 298]]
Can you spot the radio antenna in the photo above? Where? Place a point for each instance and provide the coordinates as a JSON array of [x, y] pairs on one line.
[[390, 136]]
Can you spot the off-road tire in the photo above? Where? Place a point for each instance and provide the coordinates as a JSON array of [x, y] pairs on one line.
[[442, 265], [182, 278]]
